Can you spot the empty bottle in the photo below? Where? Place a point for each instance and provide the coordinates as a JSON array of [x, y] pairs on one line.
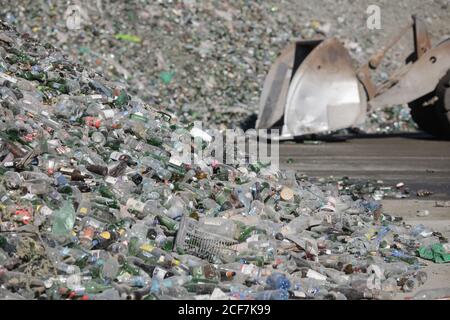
[[278, 281], [64, 220]]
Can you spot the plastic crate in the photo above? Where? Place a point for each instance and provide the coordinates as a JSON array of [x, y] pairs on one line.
[[192, 240]]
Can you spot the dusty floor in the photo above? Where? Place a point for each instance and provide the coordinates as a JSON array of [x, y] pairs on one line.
[[417, 160]]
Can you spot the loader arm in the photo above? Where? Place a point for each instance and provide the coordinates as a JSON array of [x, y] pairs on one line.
[[421, 79]]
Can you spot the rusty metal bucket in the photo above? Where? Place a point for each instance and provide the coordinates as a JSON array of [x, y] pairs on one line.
[[313, 88]]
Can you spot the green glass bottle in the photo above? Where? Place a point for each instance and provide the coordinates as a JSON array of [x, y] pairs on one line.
[[138, 117], [3, 242], [67, 189], [206, 273], [150, 296], [223, 196], [257, 260], [200, 287], [167, 222], [154, 141], [82, 262], [133, 246], [168, 246], [122, 99], [245, 233], [30, 75], [106, 192], [95, 287], [60, 87], [113, 145], [129, 268]]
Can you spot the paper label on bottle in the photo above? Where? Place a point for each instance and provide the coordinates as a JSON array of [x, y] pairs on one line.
[[110, 180], [175, 162], [53, 143], [90, 182], [315, 275], [299, 294], [105, 235], [287, 194], [8, 77], [108, 114], [147, 247], [159, 273], [66, 170], [51, 164], [63, 150], [248, 269]]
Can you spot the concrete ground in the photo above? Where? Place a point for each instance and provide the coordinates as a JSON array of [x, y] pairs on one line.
[[438, 220], [415, 159]]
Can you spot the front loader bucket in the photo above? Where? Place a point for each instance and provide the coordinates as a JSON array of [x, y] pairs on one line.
[[276, 85], [312, 88]]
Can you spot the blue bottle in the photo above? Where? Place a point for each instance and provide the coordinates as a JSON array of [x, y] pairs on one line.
[[278, 281]]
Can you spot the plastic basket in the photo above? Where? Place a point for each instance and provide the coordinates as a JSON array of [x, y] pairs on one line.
[[192, 240]]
